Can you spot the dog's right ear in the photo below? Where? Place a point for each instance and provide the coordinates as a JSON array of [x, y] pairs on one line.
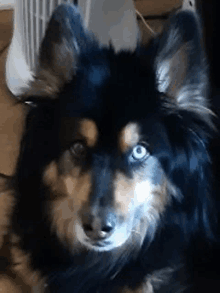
[[65, 38]]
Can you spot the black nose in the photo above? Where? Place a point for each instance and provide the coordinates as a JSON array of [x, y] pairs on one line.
[[100, 226]]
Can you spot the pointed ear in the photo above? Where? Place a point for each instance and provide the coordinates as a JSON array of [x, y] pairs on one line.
[[64, 40], [180, 65]]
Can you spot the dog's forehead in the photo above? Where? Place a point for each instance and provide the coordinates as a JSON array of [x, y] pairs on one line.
[[108, 98], [127, 136], [112, 88], [97, 74]]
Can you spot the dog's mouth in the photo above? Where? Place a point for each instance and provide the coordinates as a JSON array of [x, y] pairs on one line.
[[99, 243]]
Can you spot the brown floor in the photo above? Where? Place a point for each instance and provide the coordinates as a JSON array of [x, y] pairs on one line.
[[11, 121], [11, 116]]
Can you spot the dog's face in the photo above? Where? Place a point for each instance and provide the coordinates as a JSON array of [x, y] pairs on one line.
[[109, 184], [125, 131]]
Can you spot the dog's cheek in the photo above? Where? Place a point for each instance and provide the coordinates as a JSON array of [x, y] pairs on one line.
[[140, 203], [124, 195], [130, 194], [78, 188], [158, 197], [133, 199], [65, 208], [62, 217], [143, 192]]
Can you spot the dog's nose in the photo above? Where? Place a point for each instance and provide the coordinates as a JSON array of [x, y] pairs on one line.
[[99, 227]]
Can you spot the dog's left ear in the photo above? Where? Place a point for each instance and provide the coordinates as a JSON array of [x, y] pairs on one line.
[[182, 80], [180, 65], [64, 40]]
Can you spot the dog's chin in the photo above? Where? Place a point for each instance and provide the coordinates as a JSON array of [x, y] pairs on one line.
[[117, 239]]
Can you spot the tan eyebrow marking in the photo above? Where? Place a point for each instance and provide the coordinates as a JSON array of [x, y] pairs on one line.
[[129, 136], [89, 130]]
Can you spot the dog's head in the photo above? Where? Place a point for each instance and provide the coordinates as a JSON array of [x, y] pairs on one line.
[[115, 144]]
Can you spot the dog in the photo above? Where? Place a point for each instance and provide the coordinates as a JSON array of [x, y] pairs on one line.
[[113, 180]]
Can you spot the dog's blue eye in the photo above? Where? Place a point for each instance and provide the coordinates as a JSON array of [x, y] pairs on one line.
[[139, 153]]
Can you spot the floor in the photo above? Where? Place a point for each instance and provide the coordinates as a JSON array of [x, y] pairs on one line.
[[11, 115]]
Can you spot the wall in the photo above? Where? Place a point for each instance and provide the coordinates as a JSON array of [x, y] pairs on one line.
[[6, 4]]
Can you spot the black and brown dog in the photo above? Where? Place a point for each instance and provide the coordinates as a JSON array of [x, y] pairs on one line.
[[113, 177]]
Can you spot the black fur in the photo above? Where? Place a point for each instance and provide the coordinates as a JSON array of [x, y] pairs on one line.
[[114, 89]]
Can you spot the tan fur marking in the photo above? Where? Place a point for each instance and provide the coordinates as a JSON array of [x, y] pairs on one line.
[[124, 193], [78, 188], [139, 194], [50, 174], [64, 210], [139, 191], [89, 130], [62, 216], [52, 179], [129, 136], [21, 267], [161, 196]]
